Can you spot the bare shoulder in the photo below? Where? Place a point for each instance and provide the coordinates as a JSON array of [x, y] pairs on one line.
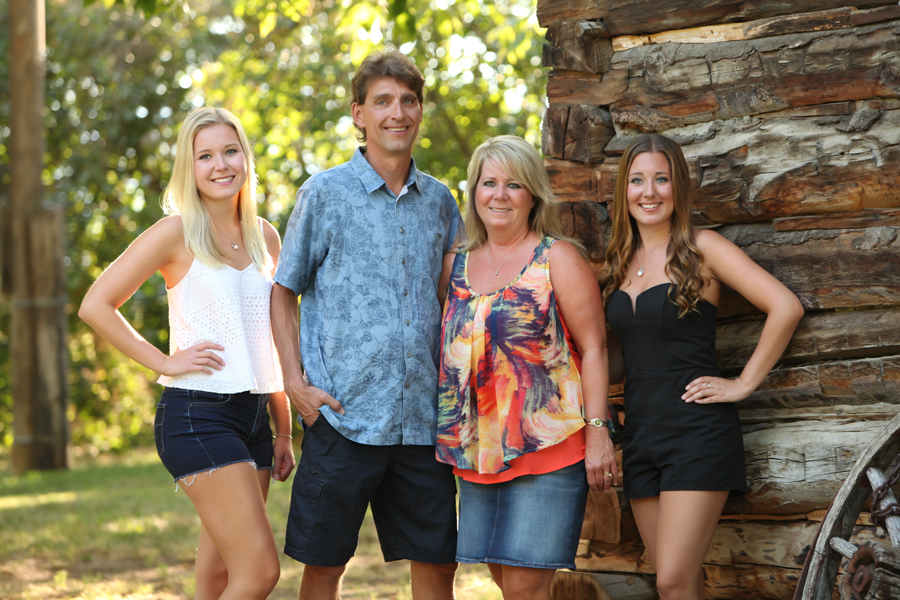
[[167, 234], [169, 226], [716, 248], [709, 239], [564, 251], [568, 267], [270, 233]]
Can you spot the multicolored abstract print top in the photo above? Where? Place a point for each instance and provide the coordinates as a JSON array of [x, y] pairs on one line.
[[509, 380]]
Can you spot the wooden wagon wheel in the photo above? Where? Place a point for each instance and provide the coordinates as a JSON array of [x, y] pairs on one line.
[[873, 570]]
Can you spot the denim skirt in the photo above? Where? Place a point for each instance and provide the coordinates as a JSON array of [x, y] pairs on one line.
[[197, 432], [531, 521]]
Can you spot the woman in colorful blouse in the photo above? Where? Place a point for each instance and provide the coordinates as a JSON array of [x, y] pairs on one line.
[[523, 368]]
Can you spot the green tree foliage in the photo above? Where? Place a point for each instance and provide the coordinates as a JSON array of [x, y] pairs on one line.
[[119, 82], [117, 86]]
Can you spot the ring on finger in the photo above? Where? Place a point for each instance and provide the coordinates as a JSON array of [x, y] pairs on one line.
[[709, 385], [607, 474]]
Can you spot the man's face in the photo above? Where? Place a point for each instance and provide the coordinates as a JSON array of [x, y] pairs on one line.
[[391, 115]]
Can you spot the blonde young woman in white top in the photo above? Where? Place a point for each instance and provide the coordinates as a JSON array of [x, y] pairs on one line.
[[212, 429]]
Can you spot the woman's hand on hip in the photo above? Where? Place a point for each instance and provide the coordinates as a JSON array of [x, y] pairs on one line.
[[707, 389], [600, 459], [198, 358]]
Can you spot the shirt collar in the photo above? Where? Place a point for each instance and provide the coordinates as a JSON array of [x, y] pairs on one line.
[[370, 178]]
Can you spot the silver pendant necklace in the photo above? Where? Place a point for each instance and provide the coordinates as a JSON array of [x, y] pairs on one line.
[[640, 272], [233, 245], [503, 266]]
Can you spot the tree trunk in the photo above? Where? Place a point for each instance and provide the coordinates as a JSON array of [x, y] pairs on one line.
[[34, 260]]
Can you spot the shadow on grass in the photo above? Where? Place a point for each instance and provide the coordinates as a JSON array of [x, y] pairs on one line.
[[113, 527]]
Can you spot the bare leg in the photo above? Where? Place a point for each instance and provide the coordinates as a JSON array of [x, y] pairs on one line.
[[685, 522], [432, 582], [646, 515], [496, 574], [321, 583], [523, 583], [232, 508], [210, 569]]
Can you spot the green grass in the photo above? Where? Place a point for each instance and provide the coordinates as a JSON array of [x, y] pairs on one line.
[[115, 528]]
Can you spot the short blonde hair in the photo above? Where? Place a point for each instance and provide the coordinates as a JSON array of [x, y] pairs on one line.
[[181, 196], [522, 162]]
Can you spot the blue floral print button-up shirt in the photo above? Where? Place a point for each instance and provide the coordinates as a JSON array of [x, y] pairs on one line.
[[366, 263]]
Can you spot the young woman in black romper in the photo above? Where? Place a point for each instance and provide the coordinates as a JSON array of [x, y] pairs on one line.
[[683, 450]]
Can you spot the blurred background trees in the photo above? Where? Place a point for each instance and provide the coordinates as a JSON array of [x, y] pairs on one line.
[[120, 81]]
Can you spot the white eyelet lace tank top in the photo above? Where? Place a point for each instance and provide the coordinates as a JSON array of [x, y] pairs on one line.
[[231, 308]]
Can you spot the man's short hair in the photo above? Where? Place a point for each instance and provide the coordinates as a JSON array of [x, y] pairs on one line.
[[386, 63]]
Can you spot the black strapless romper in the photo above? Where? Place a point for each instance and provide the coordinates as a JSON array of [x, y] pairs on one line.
[[671, 444]]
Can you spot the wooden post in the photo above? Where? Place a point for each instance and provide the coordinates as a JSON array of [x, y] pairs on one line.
[[33, 260]]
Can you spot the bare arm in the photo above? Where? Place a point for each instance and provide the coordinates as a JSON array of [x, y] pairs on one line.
[[735, 269], [279, 407], [286, 330], [578, 294], [160, 248], [446, 271]]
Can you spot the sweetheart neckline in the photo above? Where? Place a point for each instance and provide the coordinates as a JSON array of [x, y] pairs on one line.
[[632, 302]]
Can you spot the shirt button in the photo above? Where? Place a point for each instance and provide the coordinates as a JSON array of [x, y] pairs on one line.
[[405, 293], [407, 322], [401, 230], [440, 236], [409, 355], [406, 385], [403, 262]]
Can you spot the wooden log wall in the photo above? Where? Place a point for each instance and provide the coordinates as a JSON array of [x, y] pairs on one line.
[[789, 116]]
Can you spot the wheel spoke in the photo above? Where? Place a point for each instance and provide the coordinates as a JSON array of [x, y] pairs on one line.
[[891, 523], [842, 547]]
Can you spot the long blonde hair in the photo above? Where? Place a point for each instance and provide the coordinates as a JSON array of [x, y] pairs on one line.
[[683, 259], [181, 196], [520, 161]]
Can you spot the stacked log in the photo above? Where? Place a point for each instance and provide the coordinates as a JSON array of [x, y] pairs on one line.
[[789, 117]]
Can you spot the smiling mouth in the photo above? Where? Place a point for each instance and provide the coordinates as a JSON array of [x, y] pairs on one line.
[[397, 129], [650, 206], [223, 179], [500, 210]]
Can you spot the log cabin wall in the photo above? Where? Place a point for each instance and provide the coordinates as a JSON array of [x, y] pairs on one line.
[[789, 116]]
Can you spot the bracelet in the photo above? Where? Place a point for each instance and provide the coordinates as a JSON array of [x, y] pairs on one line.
[[598, 422], [287, 435]]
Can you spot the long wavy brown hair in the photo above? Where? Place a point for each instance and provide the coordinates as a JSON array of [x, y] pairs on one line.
[[683, 258]]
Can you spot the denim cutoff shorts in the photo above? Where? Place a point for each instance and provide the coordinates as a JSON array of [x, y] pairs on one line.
[[197, 432], [531, 521]]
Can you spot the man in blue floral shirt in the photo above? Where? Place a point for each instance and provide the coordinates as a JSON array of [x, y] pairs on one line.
[[364, 249]]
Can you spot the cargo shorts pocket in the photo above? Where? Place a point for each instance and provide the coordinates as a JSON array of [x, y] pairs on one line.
[[303, 516]]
